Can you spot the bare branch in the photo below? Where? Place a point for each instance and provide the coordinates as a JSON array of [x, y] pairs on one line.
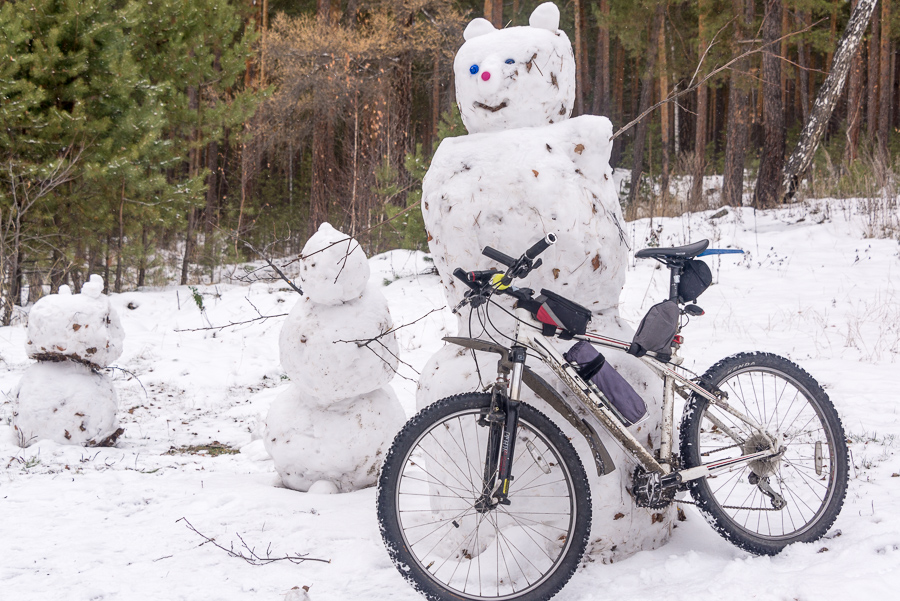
[[271, 264], [260, 317], [249, 553], [366, 342], [673, 95]]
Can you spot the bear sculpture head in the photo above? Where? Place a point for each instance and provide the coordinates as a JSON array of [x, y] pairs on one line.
[[515, 77]]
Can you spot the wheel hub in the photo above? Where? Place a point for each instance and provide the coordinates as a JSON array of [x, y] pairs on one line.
[[761, 467]]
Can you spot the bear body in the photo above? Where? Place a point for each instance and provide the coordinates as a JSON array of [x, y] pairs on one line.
[[524, 170]]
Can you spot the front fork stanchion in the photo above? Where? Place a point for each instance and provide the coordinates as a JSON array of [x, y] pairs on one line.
[[502, 439]]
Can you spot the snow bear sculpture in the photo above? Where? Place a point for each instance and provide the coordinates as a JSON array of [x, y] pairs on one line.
[[524, 170], [63, 397], [329, 430]]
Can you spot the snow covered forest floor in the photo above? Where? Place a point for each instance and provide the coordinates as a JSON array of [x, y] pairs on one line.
[[80, 523]]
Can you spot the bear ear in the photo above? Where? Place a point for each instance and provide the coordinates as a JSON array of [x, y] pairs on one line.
[[545, 16], [481, 27]]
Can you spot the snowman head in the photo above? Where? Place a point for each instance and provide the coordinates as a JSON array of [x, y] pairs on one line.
[[515, 77], [333, 267]]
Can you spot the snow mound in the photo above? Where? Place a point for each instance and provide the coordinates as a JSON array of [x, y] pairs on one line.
[[65, 402], [318, 348], [343, 444], [82, 326], [334, 268]]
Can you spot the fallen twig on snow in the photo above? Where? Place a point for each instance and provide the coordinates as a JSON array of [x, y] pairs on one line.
[[249, 553]]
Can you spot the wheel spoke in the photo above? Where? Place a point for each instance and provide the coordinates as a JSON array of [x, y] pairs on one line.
[[443, 522], [791, 407]]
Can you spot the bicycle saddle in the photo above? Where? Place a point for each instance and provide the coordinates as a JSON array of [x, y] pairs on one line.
[[688, 251]]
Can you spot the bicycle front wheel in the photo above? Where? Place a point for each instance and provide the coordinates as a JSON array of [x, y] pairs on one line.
[[764, 505], [437, 529]]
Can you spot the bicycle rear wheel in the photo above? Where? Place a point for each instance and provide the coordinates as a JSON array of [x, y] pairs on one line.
[[806, 484], [446, 544]]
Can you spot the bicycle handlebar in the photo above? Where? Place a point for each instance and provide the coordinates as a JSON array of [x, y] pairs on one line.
[[498, 256], [541, 245]]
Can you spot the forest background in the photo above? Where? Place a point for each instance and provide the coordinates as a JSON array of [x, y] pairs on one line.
[[152, 141]]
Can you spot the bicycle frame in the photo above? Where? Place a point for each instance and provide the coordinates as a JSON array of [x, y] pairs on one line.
[[528, 336]]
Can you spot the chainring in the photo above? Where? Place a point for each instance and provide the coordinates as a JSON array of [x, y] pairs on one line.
[[648, 490]]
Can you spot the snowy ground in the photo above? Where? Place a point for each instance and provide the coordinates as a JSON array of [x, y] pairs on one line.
[[103, 523]]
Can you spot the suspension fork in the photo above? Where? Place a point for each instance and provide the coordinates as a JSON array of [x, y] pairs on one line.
[[504, 422]]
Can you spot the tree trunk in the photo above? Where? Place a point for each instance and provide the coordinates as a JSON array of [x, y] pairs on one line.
[[872, 77], [885, 84], [435, 101], [854, 103], [212, 191], [803, 70], [579, 58], [107, 261], [493, 12], [833, 32], [830, 92], [736, 137], [119, 242], [188, 246], [771, 162], [695, 200], [785, 97], [664, 115], [142, 268], [600, 104], [619, 100], [57, 272], [640, 135]]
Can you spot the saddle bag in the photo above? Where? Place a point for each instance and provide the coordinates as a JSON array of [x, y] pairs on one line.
[[562, 313], [623, 397], [695, 279], [657, 330]]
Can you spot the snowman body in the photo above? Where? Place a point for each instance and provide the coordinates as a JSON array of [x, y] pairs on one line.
[[527, 169], [63, 397], [329, 430]]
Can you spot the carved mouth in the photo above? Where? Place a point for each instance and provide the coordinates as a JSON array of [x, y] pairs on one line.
[[492, 109]]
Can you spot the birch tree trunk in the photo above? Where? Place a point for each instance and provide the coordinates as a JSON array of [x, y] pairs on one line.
[[829, 93]]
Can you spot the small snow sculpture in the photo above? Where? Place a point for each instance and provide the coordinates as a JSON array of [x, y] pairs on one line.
[[63, 397], [526, 169], [329, 430]]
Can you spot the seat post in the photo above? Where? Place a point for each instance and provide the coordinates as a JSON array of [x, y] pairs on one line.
[[674, 278]]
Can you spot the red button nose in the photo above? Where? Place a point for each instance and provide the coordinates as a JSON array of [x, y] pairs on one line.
[[486, 75]]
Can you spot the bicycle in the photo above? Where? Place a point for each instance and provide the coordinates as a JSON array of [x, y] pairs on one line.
[[482, 496]]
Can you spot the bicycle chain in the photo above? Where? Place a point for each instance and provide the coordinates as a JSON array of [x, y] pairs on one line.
[[686, 502]]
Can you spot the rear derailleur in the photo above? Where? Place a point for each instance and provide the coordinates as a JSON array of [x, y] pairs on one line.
[[762, 484]]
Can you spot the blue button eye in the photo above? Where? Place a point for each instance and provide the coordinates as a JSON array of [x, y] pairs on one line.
[[473, 69], [509, 61]]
